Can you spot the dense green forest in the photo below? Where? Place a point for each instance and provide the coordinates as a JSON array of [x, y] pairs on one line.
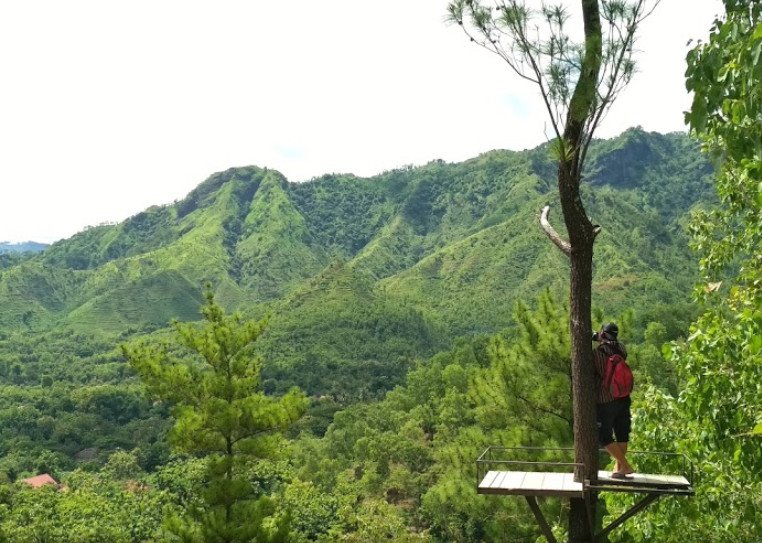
[[360, 273], [422, 315], [409, 307]]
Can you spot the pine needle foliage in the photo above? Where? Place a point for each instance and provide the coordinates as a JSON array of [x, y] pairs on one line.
[[528, 382], [212, 381], [537, 45]]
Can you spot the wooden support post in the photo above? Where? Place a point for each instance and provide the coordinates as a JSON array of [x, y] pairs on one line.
[[591, 498], [631, 512], [544, 526]]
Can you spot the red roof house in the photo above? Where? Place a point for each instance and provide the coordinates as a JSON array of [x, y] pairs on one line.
[[40, 480]]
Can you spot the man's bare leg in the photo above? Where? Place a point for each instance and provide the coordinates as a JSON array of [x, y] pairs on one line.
[[617, 451], [623, 446]]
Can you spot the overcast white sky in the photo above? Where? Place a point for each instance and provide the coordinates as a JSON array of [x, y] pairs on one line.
[[109, 107]]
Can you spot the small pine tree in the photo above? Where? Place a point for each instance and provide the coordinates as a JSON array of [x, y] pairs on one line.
[[211, 379]]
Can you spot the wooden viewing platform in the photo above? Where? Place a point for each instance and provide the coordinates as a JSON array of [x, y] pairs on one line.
[[495, 477], [537, 483]]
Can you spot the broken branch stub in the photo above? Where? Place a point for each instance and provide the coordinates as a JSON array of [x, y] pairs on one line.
[[562, 244]]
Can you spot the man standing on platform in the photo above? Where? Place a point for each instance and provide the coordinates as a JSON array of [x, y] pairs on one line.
[[613, 404]]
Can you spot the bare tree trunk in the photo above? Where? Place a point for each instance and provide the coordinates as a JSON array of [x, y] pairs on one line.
[[583, 392], [583, 386], [581, 239]]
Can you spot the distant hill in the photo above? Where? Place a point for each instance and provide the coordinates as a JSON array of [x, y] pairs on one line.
[[22, 247], [361, 275]]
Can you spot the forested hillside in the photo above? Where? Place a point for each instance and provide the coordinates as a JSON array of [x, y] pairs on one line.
[[369, 272], [406, 306]]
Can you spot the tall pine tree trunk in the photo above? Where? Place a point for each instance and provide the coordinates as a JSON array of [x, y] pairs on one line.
[[581, 239], [581, 234]]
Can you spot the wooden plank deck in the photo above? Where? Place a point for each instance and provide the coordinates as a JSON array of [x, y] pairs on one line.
[[530, 483], [535, 483], [645, 480]]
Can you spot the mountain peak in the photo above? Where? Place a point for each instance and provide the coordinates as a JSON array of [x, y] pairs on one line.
[[204, 192]]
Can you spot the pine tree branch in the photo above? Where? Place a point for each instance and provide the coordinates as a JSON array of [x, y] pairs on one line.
[[536, 407]]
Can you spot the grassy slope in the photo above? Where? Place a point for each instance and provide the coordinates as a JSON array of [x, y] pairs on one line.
[[275, 251]]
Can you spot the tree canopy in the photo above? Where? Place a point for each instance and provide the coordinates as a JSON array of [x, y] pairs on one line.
[[221, 414]]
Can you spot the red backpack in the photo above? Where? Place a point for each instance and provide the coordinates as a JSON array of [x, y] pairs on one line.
[[617, 377]]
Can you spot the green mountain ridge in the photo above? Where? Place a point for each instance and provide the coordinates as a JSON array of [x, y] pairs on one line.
[[371, 271]]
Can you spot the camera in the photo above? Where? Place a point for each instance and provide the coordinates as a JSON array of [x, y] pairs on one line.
[[596, 336]]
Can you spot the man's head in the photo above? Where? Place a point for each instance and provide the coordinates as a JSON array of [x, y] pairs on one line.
[[610, 331]]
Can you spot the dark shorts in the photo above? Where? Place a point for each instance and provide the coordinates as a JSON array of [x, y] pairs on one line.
[[614, 419]]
